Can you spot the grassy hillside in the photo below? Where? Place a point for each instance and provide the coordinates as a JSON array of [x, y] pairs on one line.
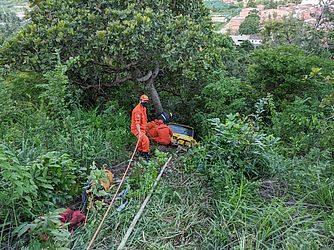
[[218, 7], [12, 5], [261, 176]]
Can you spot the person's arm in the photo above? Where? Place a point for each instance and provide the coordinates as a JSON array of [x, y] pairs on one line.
[[150, 126], [138, 120], [138, 129]]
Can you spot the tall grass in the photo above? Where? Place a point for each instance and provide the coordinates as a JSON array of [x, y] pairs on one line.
[[186, 213]]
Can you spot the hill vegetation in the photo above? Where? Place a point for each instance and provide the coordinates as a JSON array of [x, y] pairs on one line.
[[260, 178]]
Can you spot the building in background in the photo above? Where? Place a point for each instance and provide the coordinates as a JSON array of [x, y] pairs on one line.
[[253, 39]]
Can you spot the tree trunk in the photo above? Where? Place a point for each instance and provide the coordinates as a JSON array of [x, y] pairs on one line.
[[149, 79], [155, 97]]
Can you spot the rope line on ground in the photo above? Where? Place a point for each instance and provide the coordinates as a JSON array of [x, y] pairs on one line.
[[141, 210], [113, 199]]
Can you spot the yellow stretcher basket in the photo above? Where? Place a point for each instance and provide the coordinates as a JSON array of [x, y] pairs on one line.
[[182, 134]]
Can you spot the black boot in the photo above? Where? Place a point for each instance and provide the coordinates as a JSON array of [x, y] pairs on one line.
[[146, 156]]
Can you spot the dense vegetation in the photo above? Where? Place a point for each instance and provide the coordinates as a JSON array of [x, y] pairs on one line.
[[271, 4], [251, 24], [9, 21], [261, 177], [219, 8]]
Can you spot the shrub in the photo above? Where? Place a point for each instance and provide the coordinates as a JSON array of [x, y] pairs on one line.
[[226, 95], [26, 190], [281, 71], [233, 146], [301, 125], [17, 189]]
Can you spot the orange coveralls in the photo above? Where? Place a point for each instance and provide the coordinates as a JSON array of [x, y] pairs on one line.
[[152, 128], [139, 117], [159, 132]]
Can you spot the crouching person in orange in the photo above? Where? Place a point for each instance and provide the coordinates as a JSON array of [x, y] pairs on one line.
[[160, 132], [152, 128], [139, 126]]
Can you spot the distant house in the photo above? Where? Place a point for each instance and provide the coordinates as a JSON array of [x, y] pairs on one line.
[[253, 39], [311, 2], [218, 19], [246, 11]]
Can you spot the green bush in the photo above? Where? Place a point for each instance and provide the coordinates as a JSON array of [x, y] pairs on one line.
[[92, 136], [302, 125], [57, 177], [234, 145], [226, 95], [281, 71], [17, 189], [26, 190]]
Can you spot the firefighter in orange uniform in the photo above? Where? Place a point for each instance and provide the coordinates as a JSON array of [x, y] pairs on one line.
[[160, 132], [152, 128], [164, 133], [139, 126]]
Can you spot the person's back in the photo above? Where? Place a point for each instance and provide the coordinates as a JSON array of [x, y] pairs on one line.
[[152, 128], [164, 134]]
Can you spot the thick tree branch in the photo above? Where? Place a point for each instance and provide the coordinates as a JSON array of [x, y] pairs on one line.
[[156, 71], [150, 75], [145, 77]]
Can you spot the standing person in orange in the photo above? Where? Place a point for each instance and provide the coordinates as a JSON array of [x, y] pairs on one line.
[[139, 125]]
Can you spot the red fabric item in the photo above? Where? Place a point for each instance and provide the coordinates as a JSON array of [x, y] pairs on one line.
[[77, 218], [66, 216], [74, 217]]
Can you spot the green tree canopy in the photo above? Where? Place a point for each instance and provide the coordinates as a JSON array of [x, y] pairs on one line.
[[295, 32], [251, 4], [251, 25], [281, 71], [115, 41], [9, 23]]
